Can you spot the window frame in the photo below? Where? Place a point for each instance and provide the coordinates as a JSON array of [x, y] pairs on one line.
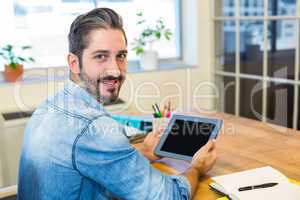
[[265, 78]]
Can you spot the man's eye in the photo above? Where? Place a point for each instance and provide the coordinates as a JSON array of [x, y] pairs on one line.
[[100, 56], [122, 56]]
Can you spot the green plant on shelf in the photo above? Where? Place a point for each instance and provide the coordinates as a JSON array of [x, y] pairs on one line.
[[149, 34], [14, 56]]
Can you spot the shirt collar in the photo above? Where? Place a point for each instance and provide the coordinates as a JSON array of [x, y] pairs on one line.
[[81, 94]]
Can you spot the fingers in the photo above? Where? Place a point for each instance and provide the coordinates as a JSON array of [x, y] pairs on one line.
[[210, 145], [156, 133], [161, 129], [213, 151], [205, 157], [213, 145]]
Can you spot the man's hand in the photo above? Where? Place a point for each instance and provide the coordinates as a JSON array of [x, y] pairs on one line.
[[202, 162], [205, 158], [148, 145]]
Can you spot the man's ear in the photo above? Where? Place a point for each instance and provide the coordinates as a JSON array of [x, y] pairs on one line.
[[73, 63]]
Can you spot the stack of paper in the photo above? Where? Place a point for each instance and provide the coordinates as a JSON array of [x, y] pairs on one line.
[[284, 190]]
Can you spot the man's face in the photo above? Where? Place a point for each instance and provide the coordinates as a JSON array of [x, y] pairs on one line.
[[104, 64]]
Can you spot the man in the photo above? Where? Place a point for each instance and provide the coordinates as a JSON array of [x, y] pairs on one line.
[[73, 149]]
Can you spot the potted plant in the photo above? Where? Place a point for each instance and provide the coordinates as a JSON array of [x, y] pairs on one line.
[[14, 61], [143, 44]]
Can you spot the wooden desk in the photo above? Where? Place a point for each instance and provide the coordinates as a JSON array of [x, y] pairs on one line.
[[247, 144]]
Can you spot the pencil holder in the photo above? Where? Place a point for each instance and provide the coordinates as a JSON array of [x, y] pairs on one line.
[[160, 123]]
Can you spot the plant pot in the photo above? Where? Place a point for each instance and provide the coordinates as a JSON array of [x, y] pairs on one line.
[[13, 75], [149, 60]]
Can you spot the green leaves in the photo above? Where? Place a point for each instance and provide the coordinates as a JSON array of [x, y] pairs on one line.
[[8, 48], [150, 34], [147, 32], [31, 59], [11, 54], [138, 50], [141, 22], [20, 59], [157, 34], [26, 47], [168, 34], [13, 65]]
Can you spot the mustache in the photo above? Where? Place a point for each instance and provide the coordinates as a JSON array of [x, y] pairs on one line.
[[102, 79], [110, 78]]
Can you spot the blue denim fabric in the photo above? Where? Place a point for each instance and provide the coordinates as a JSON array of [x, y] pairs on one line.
[[73, 149]]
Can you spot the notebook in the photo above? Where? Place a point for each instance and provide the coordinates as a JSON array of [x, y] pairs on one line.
[[286, 189]]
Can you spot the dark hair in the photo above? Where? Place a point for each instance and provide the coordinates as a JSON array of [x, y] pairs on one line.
[[98, 18]]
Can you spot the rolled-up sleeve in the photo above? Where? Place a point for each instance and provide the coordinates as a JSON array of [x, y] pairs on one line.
[[103, 154]]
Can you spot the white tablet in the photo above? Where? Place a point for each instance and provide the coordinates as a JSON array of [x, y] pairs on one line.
[[185, 135]]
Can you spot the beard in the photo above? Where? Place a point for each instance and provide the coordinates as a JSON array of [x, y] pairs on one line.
[[109, 83]]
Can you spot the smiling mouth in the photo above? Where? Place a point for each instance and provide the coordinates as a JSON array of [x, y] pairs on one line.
[[111, 84], [110, 81]]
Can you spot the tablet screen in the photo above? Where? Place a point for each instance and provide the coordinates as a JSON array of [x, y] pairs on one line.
[[187, 137]]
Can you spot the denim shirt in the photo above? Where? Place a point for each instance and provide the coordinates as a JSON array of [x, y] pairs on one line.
[[73, 149]]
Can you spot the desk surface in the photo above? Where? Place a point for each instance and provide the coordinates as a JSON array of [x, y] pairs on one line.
[[246, 144]]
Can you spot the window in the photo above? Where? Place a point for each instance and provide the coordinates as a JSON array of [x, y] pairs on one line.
[[257, 60], [255, 3], [45, 25], [282, 7]]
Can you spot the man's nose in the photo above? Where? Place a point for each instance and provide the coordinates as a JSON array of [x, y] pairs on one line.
[[113, 67]]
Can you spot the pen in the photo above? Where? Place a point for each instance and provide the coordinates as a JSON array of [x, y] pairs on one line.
[[169, 110], [154, 109], [157, 113], [157, 110], [252, 187], [164, 111]]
